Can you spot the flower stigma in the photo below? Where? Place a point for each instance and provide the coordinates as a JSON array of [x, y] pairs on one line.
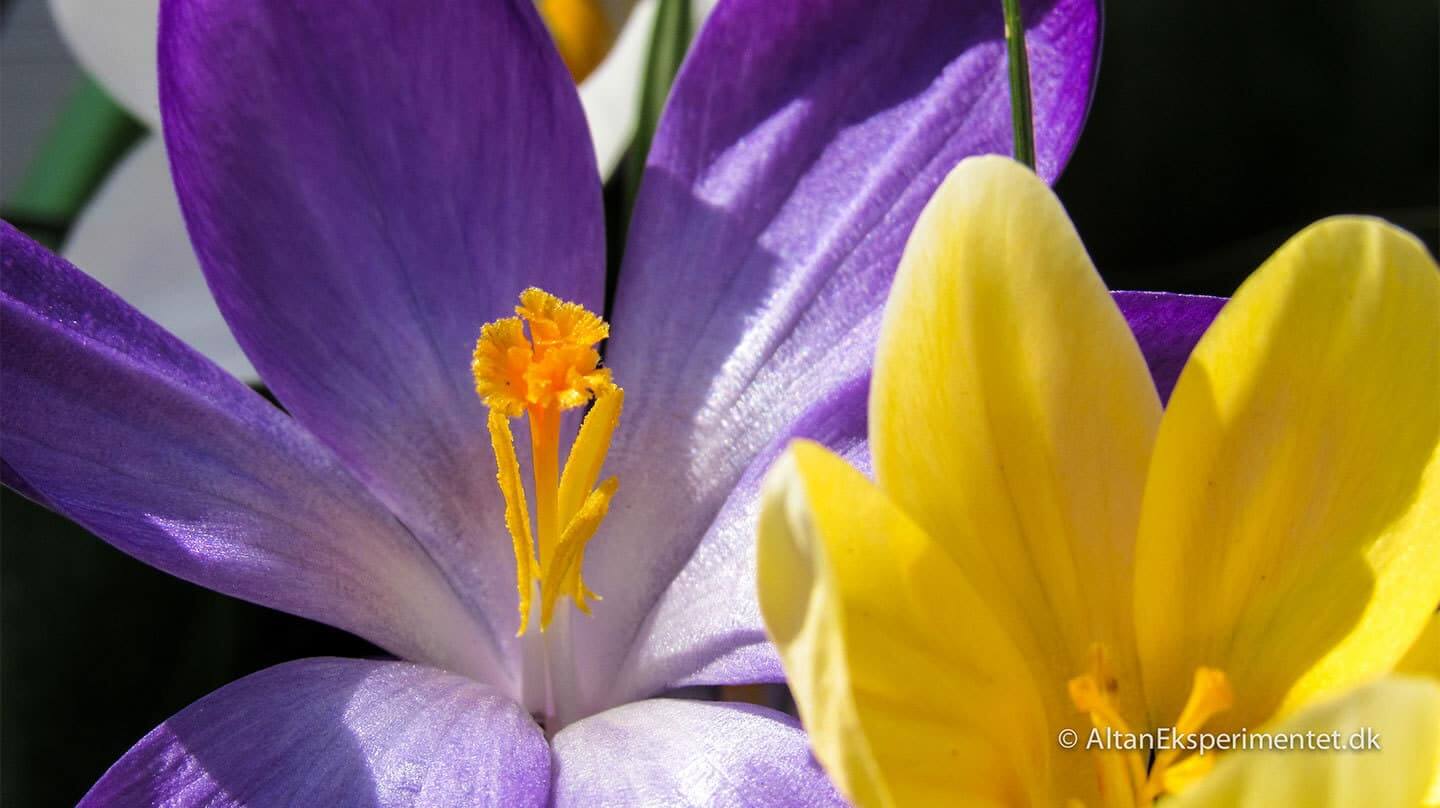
[[1124, 777], [553, 369]]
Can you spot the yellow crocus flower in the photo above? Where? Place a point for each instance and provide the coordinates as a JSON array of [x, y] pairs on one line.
[[1043, 550]]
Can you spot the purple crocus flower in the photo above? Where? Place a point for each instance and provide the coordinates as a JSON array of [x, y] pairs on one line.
[[365, 186]]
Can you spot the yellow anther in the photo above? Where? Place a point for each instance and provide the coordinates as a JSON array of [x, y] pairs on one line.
[[1122, 773], [587, 454], [562, 571], [1210, 695], [555, 322], [1094, 692], [555, 368], [501, 364], [1135, 783], [517, 511]]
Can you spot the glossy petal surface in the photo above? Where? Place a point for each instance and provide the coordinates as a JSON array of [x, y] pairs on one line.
[[706, 627], [1291, 526], [120, 427], [797, 148], [1167, 326], [910, 688], [1012, 416], [687, 753], [338, 732], [365, 186]]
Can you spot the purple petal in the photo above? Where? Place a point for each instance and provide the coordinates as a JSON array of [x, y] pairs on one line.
[[706, 626], [669, 752], [1167, 327], [365, 185], [122, 428], [12, 480], [337, 732], [798, 147]]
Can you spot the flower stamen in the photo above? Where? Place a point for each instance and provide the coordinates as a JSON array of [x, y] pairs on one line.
[[555, 368], [1132, 782]]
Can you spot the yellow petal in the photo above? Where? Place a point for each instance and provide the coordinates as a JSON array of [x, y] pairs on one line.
[[1423, 658], [911, 692], [1012, 416], [1404, 715], [1290, 534]]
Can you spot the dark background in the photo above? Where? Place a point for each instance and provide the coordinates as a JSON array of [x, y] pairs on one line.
[[1218, 129]]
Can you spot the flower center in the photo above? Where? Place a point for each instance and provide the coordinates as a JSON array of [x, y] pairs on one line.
[[555, 369], [1125, 778]]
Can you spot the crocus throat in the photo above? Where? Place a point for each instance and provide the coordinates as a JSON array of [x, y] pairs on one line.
[[553, 369], [1125, 779]]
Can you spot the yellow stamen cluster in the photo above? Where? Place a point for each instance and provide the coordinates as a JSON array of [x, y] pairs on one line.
[[555, 368], [1124, 775]]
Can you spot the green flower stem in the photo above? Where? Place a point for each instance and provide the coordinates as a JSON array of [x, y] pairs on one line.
[[668, 42], [669, 39], [1019, 84]]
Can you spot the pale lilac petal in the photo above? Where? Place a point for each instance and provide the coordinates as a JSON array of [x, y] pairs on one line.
[[120, 427], [130, 237], [798, 147], [365, 185], [338, 732], [1167, 327], [706, 626], [688, 753]]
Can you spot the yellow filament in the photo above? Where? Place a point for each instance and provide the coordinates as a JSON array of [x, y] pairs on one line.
[[555, 368], [545, 454], [1094, 693], [1210, 695], [517, 513], [561, 574], [1134, 784], [587, 455], [558, 322]]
